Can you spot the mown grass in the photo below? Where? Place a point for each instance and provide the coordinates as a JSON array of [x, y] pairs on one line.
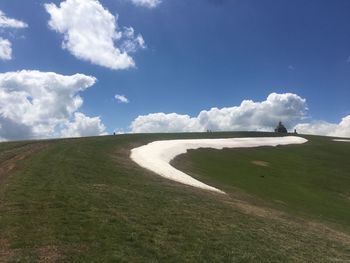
[[83, 200]]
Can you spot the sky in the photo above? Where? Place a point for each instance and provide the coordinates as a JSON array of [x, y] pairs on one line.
[[76, 68]]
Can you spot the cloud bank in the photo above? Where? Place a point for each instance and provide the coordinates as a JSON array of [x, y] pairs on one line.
[[146, 3], [341, 129], [91, 33], [249, 115], [36, 104]]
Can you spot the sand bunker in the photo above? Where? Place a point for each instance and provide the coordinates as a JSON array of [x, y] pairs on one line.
[[341, 140], [157, 155]]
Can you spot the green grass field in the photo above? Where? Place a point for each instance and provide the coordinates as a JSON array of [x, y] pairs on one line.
[[309, 180], [84, 200]]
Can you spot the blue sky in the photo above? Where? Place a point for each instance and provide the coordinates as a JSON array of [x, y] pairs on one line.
[[201, 54]]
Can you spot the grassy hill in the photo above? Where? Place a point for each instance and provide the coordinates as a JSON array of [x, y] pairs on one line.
[[84, 200]]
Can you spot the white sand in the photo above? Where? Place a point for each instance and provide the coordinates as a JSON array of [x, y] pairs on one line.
[[156, 156], [341, 140]]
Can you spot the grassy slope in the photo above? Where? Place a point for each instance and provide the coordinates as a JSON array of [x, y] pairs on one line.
[[84, 201], [310, 180]]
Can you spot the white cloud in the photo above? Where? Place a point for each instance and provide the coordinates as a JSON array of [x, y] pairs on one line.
[[84, 126], [121, 99], [5, 44], [146, 3], [161, 122], [91, 33], [6, 22], [341, 129], [36, 104], [5, 49], [255, 116], [131, 43]]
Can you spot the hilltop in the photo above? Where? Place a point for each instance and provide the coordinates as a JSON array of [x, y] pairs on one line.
[[84, 200]]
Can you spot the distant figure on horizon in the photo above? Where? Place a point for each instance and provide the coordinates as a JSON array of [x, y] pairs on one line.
[[280, 128]]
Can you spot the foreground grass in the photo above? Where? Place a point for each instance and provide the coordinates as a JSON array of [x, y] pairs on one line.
[[83, 200]]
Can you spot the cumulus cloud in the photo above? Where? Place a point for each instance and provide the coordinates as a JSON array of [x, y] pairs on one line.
[[161, 122], [6, 22], [91, 33], [254, 116], [121, 99], [341, 129], [84, 126], [36, 104], [146, 3], [5, 49]]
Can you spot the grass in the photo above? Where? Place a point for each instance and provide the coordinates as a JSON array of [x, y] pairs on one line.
[[310, 180], [83, 200]]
